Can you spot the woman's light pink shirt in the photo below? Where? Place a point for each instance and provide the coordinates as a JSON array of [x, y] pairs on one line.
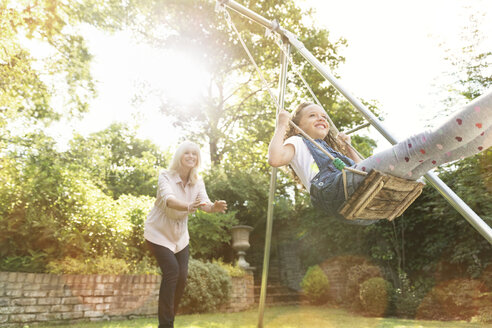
[[166, 226]]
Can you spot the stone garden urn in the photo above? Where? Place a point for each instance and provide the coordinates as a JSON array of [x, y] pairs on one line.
[[240, 243]]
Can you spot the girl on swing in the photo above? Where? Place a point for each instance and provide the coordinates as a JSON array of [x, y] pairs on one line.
[[467, 132]]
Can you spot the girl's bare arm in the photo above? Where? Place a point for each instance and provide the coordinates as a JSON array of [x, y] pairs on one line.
[[278, 153]]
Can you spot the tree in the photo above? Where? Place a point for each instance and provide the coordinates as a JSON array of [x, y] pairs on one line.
[[237, 113], [471, 75], [50, 209], [430, 232], [40, 197], [119, 162], [28, 82]]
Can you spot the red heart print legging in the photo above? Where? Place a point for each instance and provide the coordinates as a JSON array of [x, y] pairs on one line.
[[467, 132]]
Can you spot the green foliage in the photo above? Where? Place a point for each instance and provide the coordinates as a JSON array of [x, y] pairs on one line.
[[40, 196], [430, 239], [207, 288], [119, 162], [458, 299], [232, 270], [237, 119], [246, 193], [356, 275], [48, 208], [471, 76], [100, 265], [133, 211], [29, 81], [486, 276], [484, 315], [364, 145], [208, 233], [146, 265], [408, 296], [375, 295], [34, 262], [436, 233], [315, 285]]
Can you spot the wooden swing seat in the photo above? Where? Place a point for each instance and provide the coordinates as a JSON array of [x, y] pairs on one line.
[[381, 196]]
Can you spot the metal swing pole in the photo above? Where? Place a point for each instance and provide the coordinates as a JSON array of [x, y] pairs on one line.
[[435, 181], [271, 194]]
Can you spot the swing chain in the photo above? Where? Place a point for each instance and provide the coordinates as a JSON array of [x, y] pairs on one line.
[[220, 6], [265, 83]]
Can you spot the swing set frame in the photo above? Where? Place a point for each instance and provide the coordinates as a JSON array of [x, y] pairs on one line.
[[290, 40]]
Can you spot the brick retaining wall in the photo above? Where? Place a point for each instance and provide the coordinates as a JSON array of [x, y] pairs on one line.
[[41, 298], [242, 294]]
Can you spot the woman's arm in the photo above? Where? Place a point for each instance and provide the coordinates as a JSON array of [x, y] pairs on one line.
[[167, 195], [278, 153], [217, 206], [174, 203], [204, 202]]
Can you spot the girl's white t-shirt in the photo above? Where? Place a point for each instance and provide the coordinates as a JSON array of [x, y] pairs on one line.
[[303, 162]]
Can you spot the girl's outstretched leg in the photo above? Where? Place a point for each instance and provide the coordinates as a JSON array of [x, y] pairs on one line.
[[472, 122], [479, 144]]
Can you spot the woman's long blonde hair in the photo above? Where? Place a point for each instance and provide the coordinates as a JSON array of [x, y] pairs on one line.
[[176, 161]]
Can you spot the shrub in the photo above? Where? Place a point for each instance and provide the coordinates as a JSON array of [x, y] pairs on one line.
[[146, 265], [100, 265], [209, 232], [484, 315], [231, 269], [408, 297], [374, 295], [315, 285], [133, 211], [453, 300], [207, 288], [486, 276], [35, 262], [356, 275]]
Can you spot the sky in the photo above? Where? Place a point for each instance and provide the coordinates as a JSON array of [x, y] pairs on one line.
[[394, 54], [393, 57]]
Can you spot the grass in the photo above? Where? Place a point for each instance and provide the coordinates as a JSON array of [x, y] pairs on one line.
[[281, 317]]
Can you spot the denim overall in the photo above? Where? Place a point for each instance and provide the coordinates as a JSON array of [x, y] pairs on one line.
[[326, 191]]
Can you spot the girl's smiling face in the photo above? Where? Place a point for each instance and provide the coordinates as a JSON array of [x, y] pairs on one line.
[[314, 121]]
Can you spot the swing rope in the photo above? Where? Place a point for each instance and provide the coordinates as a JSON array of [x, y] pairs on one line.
[[269, 32], [313, 95], [342, 167]]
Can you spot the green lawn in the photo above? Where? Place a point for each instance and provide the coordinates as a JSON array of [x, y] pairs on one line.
[[281, 317]]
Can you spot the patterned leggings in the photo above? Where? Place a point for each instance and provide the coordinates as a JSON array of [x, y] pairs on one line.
[[466, 133]]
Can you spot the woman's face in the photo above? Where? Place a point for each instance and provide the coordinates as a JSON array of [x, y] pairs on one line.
[[314, 122], [189, 159]]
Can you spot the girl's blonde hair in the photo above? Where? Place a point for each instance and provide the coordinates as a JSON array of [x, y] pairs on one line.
[[176, 161]]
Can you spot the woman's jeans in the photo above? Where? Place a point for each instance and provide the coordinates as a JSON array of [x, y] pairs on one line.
[[174, 269]]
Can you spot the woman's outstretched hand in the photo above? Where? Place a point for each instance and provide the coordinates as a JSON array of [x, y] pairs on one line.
[[219, 206], [193, 206]]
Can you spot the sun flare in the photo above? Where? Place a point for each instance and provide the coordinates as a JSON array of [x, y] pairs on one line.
[[180, 76]]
